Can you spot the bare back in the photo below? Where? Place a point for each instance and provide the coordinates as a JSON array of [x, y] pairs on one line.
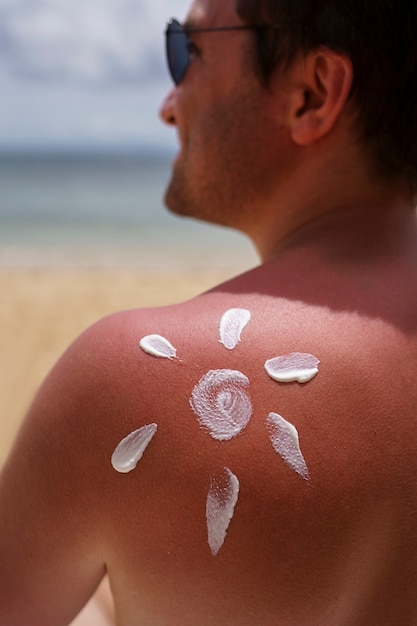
[[328, 543], [338, 547]]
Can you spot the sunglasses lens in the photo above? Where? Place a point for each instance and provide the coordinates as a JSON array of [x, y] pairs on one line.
[[177, 52]]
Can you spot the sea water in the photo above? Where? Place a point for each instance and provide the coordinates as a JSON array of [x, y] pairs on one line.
[[102, 209]]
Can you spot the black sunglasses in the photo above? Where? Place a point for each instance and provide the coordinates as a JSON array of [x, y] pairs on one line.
[[178, 45]]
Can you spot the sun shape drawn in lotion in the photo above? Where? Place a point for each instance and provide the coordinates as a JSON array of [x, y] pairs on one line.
[[223, 407]]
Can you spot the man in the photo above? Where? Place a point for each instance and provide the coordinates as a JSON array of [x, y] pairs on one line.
[[270, 478]]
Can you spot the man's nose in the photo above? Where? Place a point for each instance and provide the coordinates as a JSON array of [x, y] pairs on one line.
[[167, 110]]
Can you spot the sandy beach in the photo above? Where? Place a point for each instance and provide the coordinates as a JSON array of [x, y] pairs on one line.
[[42, 310]]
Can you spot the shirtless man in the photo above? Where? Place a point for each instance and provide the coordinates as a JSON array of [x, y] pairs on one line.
[[302, 134]]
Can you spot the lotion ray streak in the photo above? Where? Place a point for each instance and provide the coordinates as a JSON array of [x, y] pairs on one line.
[[296, 366], [285, 440], [131, 449], [220, 507], [158, 346], [231, 326]]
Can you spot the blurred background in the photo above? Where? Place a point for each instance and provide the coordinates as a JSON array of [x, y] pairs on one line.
[[84, 158]]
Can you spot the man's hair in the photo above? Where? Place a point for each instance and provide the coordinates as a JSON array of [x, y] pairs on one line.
[[380, 38]]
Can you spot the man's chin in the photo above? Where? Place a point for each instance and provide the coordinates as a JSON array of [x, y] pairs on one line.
[[173, 202], [175, 198]]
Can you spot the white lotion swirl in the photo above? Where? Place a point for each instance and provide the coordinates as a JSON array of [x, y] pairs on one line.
[[158, 346], [220, 507], [285, 440], [231, 326], [131, 449], [297, 366], [222, 404]]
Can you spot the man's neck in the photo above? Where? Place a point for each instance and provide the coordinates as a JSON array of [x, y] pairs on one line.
[[336, 195]]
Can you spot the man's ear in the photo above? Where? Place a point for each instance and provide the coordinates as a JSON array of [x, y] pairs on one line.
[[321, 83]]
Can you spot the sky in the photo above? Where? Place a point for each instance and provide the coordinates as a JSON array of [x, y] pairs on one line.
[[84, 73]]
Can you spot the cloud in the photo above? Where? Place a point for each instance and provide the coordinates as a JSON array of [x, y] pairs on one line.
[[84, 73], [89, 41]]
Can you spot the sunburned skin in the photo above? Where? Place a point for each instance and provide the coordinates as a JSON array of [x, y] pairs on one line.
[[158, 346], [284, 438], [220, 507], [231, 326], [222, 404], [223, 407], [131, 449], [295, 367]]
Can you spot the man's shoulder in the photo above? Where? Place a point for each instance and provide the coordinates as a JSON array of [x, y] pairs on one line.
[[142, 365]]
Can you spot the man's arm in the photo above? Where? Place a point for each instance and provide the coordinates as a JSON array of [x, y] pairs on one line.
[[51, 558]]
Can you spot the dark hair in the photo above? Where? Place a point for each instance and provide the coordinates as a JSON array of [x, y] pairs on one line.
[[380, 37]]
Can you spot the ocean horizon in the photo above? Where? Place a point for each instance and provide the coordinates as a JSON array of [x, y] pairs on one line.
[[86, 208]]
